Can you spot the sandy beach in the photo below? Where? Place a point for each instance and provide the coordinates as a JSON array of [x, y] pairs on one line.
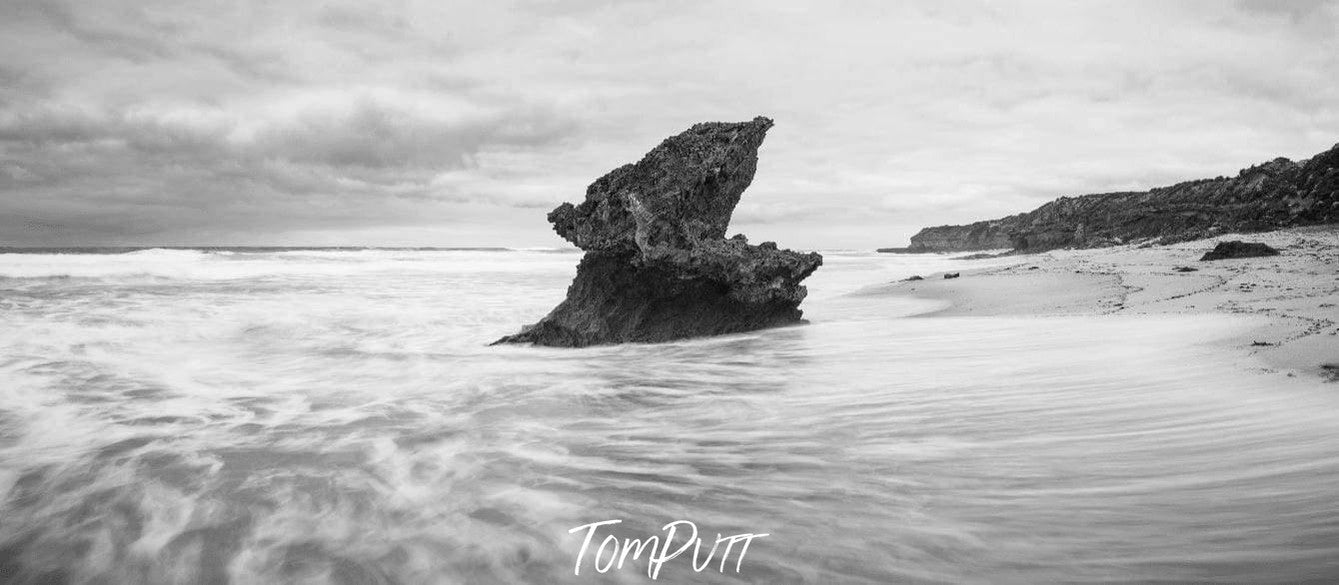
[[1295, 295]]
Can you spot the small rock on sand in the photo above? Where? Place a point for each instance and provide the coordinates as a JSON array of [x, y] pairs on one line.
[[1331, 371], [1239, 249]]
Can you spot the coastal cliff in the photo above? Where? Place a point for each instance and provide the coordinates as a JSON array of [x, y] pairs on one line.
[[1273, 195], [657, 264]]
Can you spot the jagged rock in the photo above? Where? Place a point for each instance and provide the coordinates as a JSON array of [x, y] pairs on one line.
[[914, 277], [1238, 249], [949, 275], [1277, 194], [657, 264]]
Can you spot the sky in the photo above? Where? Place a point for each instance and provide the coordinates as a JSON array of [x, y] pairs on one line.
[[444, 123]]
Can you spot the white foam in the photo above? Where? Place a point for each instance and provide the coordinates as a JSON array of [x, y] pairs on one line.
[[231, 265], [340, 411]]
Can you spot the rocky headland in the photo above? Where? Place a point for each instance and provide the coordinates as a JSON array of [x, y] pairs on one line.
[[658, 265], [1269, 196]]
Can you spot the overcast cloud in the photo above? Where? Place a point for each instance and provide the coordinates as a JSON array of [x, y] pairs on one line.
[[449, 123]]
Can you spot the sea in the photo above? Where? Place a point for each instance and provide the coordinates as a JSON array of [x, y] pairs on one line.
[[337, 416]]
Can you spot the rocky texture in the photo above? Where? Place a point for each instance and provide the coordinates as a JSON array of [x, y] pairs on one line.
[[982, 235], [1238, 249], [657, 264], [1330, 372], [1273, 195]]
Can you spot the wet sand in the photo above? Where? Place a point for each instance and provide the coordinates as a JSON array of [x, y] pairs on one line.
[[1295, 295]]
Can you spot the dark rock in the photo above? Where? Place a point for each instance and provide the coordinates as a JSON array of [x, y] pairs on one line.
[[1238, 249], [899, 251], [1330, 371], [949, 275], [1277, 194], [1185, 269], [914, 277], [657, 264]]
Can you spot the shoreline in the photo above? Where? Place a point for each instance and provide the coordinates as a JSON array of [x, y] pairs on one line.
[[1295, 294]]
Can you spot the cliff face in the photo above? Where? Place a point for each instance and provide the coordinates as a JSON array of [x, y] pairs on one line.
[[657, 264], [1277, 194], [983, 235]]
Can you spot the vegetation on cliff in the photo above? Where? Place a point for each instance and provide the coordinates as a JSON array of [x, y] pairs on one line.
[[1276, 194]]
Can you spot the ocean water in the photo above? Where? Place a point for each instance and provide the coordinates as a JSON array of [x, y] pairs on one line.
[[335, 416]]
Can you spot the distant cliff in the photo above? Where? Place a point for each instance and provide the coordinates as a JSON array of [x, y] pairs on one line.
[[1268, 196]]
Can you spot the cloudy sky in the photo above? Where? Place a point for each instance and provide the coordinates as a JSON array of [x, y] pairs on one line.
[[431, 122]]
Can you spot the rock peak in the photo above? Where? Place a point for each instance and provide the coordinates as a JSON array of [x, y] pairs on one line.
[[697, 176], [657, 263]]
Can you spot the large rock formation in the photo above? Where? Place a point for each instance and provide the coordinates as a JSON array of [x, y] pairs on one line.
[[1280, 193], [657, 264]]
